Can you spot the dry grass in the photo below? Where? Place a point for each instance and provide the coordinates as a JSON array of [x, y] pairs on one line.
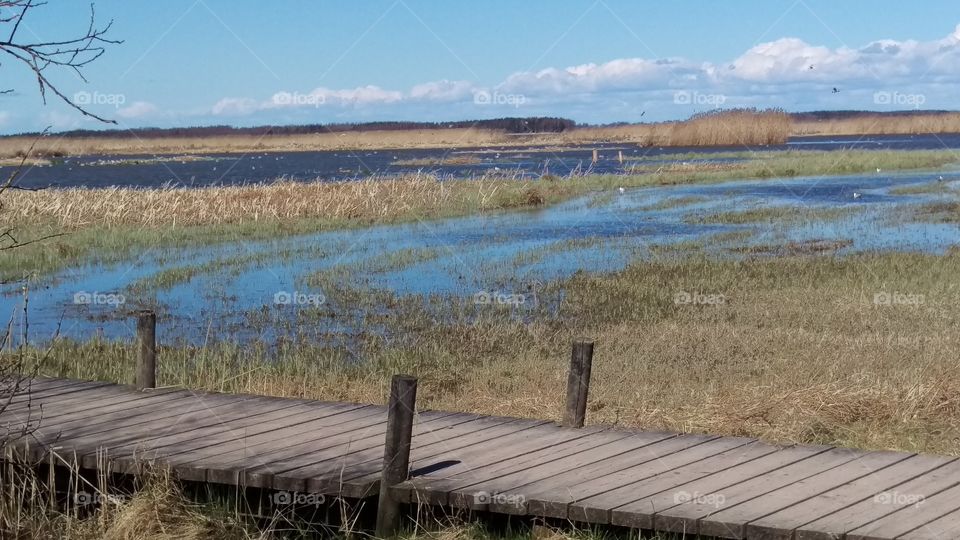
[[737, 127], [157, 510], [881, 125], [425, 138], [724, 128], [798, 351], [368, 199]]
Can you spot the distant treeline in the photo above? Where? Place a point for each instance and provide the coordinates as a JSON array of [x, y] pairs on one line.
[[509, 125]]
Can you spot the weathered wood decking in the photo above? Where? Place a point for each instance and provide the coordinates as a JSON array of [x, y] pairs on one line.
[[727, 487]]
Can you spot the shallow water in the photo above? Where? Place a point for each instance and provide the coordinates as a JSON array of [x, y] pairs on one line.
[[232, 169], [504, 258]]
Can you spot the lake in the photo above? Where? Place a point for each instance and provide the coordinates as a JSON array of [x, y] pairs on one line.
[[233, 169]]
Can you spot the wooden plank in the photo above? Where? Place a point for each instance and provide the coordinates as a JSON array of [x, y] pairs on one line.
[[293, 474], [910, 518], [359, 474], [134, 423], [127, 452], [29, 400], [731, 521], [472, 495], [228, 468], [184, 460], [145, 404], [905, 495], [537, 445], [90, 404], [739, 487], [144, 413], [452, 419], [552, 497], [48, 433], [942, 528], [682, 510], [359, 480], [598, 496], [96, 411], [780, 525], [39, 385]]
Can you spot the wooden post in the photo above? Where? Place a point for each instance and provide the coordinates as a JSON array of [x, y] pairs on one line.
[[578, 383], [620, 156], [396, 451], [596, 155], [147, 336]]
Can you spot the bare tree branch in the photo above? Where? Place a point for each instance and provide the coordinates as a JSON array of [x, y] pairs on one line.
[[70, 54]]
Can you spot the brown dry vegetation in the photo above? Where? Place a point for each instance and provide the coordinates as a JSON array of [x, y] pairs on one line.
[[372, 199], [797, 351], [736, 127], [881, 125], [729, 128]]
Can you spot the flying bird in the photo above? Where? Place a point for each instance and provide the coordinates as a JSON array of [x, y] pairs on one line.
[[836, 90]]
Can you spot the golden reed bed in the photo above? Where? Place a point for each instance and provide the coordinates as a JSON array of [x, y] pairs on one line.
[[730, 128], [737, 127]]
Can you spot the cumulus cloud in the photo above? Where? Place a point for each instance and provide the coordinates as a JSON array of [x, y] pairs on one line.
[[235, 106], [137, 109], [442, 91], [783, 72], [621, 74]]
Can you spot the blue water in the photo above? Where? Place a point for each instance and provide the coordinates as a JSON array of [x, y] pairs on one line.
[[504, 255], [232, 169]]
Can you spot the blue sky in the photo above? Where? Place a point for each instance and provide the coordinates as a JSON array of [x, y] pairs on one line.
[[200, 62]]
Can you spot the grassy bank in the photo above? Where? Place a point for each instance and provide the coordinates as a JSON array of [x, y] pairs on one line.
[[855, 351], [115, 223]]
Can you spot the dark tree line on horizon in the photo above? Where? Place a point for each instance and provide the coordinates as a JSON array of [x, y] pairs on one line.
[[509, 125]]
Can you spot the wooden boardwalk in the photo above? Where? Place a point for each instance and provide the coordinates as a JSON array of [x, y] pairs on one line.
[[729, 487]]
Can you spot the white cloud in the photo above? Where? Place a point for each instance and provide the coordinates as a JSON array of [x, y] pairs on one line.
[[443, 91], [137, 109], [786, 72], [234, 106], [4, 118]]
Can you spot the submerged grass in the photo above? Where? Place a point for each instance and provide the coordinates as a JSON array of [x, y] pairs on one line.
[[800, 349], [779, 215], [107, 225]]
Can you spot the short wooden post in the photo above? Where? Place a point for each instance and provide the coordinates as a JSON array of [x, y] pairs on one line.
[[596, 155], [147, 336], [578, 383], [396, 451], [620, 156]]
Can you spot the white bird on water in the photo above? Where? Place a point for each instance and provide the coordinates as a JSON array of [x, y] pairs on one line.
[[622, 191], [857, 195], [878, 169]]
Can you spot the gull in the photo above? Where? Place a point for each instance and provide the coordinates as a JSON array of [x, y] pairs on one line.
[[857, 195], [878, 169], [622, 190]]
